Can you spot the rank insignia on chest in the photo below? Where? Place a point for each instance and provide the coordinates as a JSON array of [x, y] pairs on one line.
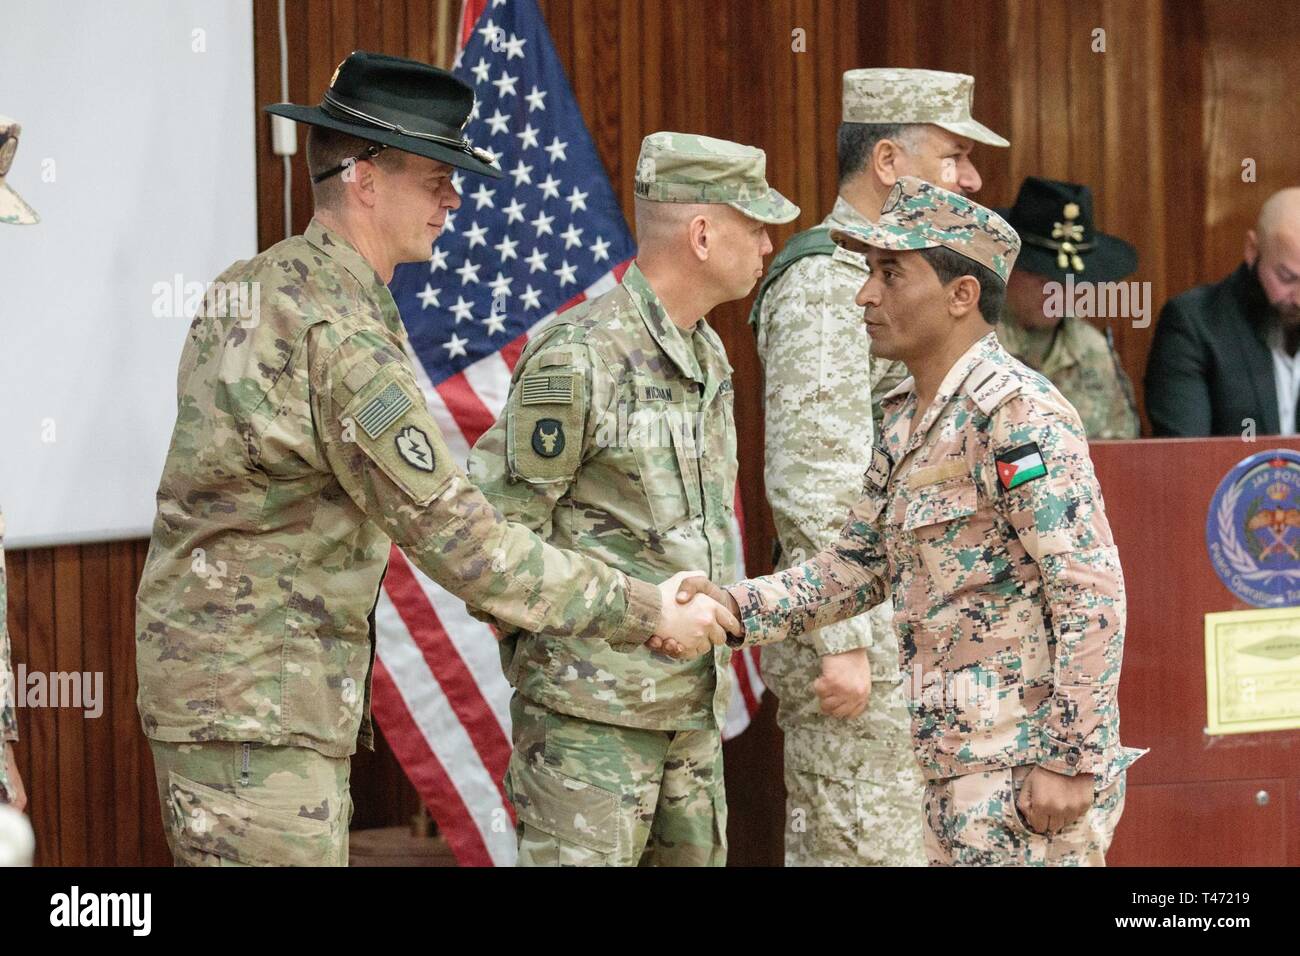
[[413, 445], [1020, 465], [548, 437], [877, 476]]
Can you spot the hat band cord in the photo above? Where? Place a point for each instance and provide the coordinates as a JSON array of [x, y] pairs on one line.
[[354, 113]]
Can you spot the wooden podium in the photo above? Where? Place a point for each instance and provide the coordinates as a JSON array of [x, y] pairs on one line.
[[1195, 799]]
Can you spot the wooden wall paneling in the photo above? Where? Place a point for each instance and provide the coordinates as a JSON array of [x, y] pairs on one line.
[[131, 772], [37, 724], [1022, 90], [634, 84], [369, 20], [266, 86], [393, 32], [1182, 147], [343, 29], [70, 725], [1251, 110], [299, 33], [419, 34], [96, 777]]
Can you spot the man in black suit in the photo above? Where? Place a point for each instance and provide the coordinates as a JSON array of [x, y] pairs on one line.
[[1224, 360]]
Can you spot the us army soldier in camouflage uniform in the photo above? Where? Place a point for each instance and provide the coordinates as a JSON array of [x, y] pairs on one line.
[[13, 210], [302, 449], [853, 791], [982, 517], [1054, 221], [619, 437]]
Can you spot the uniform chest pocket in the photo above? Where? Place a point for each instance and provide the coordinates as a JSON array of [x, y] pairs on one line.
[[951, 543], [664, 445]]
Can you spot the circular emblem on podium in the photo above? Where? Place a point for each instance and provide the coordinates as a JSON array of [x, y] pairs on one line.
[[1253, 529]]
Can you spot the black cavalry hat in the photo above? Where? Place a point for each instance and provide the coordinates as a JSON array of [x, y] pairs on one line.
[[405, 104], [1057, 235]]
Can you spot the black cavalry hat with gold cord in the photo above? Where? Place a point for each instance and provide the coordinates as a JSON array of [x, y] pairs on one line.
[[1058, 237], [401, 103]]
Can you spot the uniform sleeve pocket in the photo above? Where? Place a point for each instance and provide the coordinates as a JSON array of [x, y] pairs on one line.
[[545, 420], [230, 827], [397, 433]]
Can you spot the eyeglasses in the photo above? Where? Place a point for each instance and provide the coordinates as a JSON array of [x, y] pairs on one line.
[[373, 150]]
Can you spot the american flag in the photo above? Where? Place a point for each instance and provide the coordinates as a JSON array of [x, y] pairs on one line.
[[520, 249]]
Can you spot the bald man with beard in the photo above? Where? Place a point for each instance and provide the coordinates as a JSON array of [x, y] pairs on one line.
[[1226, 357]]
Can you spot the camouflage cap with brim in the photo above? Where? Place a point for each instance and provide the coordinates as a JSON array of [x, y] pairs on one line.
[[896, 96], [920, 215], [12, 207], [690, 168]]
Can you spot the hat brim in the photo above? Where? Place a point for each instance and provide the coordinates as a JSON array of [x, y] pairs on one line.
[[315, 116], [1109, 260], [13, 210], [772, 208], [860, 238], [976, 131]]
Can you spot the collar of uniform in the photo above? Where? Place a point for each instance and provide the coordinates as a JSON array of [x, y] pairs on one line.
[[331, 244], [984, 348], [844, 213], [670, 339]]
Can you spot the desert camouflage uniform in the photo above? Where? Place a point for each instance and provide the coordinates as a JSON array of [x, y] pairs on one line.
[[302, 449], [8, 715], [619, 439], [853, 792], [1007, 588], [1081, 363]]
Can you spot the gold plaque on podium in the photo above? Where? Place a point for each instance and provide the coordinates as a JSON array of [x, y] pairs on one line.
[[1252, 670]]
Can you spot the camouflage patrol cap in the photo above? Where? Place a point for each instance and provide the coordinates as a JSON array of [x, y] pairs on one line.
[[12, 207], [919, 215], [687, 167], [891, 95]]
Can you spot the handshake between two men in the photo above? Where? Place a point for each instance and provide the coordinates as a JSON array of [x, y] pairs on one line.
[[699, 615]]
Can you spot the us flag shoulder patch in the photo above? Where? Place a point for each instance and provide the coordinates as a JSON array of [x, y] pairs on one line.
[[382, 410], [547, 390], [1020, 465]]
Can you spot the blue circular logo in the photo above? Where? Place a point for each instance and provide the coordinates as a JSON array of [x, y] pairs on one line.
[[1253, 529]]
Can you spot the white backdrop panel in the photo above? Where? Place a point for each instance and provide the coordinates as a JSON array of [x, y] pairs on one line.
[[138, 153]]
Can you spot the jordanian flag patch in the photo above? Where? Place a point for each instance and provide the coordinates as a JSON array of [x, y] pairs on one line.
[[1019, 465]]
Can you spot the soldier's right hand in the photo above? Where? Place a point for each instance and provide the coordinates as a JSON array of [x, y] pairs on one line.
[[688, 630]]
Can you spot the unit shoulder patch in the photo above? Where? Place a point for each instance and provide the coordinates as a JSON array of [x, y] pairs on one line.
[[413, 445], [1020, 465]]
